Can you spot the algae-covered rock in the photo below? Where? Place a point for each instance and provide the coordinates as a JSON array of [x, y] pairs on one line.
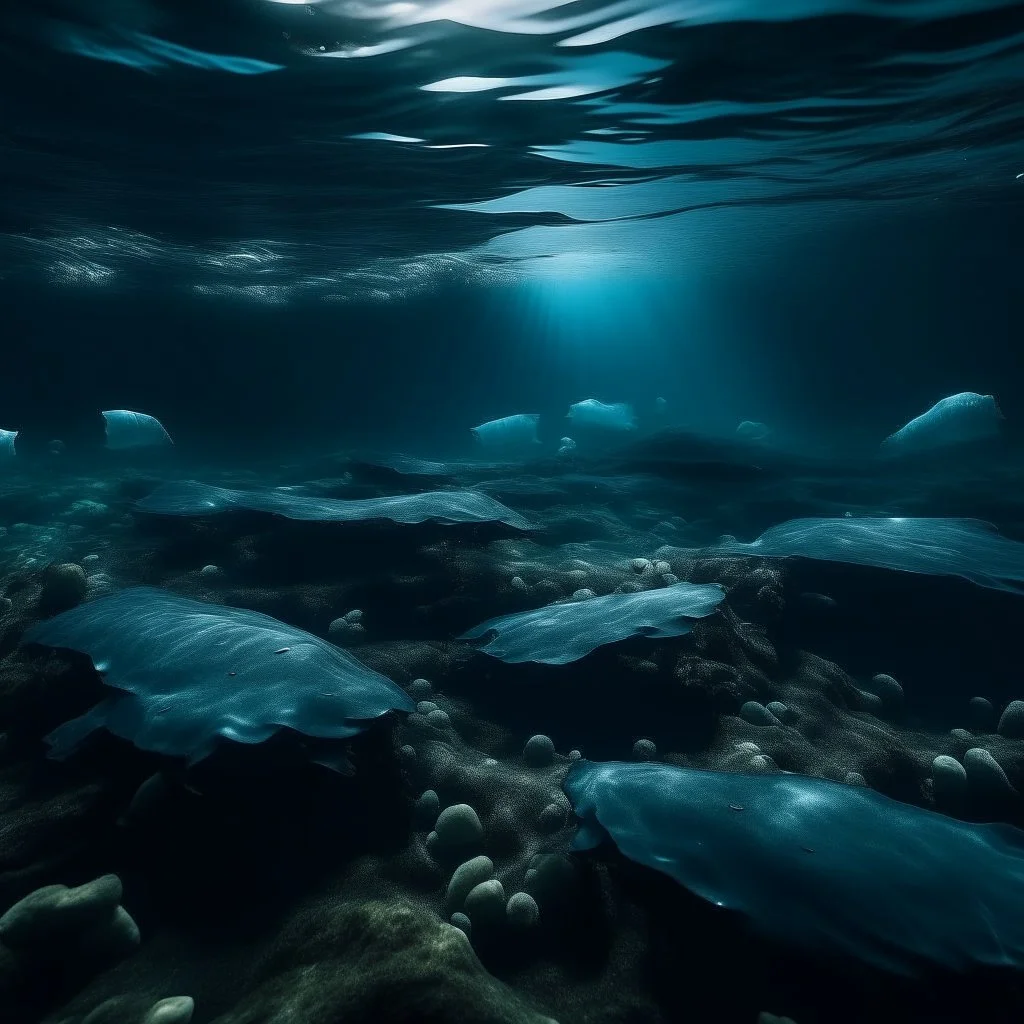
[[379, 955]]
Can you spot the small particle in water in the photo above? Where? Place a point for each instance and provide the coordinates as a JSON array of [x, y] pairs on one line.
[[232, 673], [806, 849], [283, 650], [163, 710], [735, 807], [1021, 175]]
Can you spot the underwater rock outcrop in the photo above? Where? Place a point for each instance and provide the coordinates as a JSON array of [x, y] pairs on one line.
[[812, 863], [189, 673], [560, 633], [192, 498]]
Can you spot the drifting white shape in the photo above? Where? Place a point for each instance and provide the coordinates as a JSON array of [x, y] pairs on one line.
[[468, 83], [357, 52], [127, 429], [459, 145], [954, 420], [592, 413], [520, 429], [7, 438], [384, 137]]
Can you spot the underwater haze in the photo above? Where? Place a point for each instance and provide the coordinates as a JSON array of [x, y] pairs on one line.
[[511, 511]]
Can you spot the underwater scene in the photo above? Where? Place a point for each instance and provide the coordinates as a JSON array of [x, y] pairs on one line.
[[511, 512]]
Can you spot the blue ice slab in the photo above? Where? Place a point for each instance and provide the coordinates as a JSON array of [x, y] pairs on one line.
[[7, 439], [190, 672], [509, 431], [953, 420], [819, 866], [127, 429], [560, 633], [592, 413], [940, 547], [192, 498]]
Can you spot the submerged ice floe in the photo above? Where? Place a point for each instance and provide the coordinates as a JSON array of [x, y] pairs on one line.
[[509, 431], [189, 673], [127, 429], [560, 633], [751, 430], [820, 866], [592, 413], [7, 441], [940, 547], [192, 498], [953, 420]]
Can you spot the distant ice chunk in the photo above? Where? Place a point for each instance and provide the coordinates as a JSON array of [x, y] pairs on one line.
[[967, 548], [127, 429], [7, 439], [560, 633], [509, 431], [953, 420], [566, 446], [751, 430], [592, 413]]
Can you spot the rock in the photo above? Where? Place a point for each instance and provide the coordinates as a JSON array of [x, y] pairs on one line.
[[888, 690], [644, 750], [757, 714], [439, 719], [949, 778], [368, 962], [762, 764], [985, 774], [669, 578], [174, 1010], [539, 751], [640, 565], [870, 702], [961, 734], [419, 689], [781, 711], [407, 753], [855, 779], [56, 913], [485, 903], [522, 910], [467, 877], [574, 755], [64, 586], [551, 819], [425, 707], [518, 583], [982, 714], [583, 594], [426, 809], [1011, 721], [458, 827], [662, 567], [211, 570], [354, 616], [463, 923]]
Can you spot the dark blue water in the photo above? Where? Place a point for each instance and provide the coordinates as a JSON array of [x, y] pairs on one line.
[[310, 699]]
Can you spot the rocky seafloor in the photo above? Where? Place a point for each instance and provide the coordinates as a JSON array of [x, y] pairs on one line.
[[431, 879]]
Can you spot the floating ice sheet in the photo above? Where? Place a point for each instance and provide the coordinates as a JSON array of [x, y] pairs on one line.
[[560, 633], [191, 498], [509, 431], [190, 672], [7, 439], [939, 547], [127, 429], [592, 413], [818, 865], [953, 420]]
